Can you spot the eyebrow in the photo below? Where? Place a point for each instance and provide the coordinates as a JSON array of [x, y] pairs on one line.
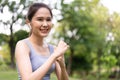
[[43, 17]]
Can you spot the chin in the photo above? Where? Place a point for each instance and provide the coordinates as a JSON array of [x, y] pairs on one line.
[[44, 35]]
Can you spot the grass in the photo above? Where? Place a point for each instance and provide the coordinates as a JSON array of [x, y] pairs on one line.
[[8, 75], [12, 75]]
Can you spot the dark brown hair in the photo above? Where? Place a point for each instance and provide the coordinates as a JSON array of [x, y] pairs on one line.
[[34, 8]]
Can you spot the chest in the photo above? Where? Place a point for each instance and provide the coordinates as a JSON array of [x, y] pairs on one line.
[[43, 51], [38, 60]]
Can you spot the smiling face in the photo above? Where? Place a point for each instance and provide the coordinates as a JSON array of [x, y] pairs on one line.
[[41, 22]]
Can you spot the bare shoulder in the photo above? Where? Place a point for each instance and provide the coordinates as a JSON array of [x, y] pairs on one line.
[[21, 44], [21, 47]]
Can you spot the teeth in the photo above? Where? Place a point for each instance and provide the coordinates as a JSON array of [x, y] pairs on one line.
[[44, 30]]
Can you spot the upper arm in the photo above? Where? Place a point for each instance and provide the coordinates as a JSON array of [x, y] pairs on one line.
[[23, 59]]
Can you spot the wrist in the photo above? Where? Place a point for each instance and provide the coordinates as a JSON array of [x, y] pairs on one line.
[[54, 56]]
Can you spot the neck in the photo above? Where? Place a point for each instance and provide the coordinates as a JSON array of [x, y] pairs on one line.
[[36, 40]]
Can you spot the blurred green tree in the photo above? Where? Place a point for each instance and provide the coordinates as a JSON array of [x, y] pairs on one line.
[[19, 35], [115, 47], [3, 38], [77, 29], [16, 10]]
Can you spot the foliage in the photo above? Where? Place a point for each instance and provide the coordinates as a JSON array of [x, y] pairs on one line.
[[19, 35], [4, 67], [81, 60], [5, 53], [16, 10], [85, 26], [78, 30], [3, 38], [110, 59]]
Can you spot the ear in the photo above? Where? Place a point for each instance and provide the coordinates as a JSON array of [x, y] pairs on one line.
[[27, 21]]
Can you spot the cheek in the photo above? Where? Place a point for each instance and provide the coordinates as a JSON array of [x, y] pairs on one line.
[[50, 25]]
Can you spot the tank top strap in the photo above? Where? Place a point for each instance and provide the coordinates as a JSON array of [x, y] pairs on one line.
[[28, 44], [51, 48]]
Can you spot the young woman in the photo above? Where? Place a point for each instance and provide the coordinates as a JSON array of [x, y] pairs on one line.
[[36, 60]]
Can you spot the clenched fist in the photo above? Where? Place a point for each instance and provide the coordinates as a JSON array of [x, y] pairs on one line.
[[60, 49]]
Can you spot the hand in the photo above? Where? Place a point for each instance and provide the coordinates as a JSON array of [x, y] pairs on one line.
[[60, 49], [61, 59]]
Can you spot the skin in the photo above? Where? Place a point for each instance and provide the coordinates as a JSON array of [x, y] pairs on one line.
[[41, 25], [62, 69]]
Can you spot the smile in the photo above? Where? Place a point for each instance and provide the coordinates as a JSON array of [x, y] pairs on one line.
[[44, 30]]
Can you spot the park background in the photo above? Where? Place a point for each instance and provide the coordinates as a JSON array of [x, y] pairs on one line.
[[88, 26]]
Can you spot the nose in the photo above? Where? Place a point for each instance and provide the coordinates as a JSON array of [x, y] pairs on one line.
[[45, 24]]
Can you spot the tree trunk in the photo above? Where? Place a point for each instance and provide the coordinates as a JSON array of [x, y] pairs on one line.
[[70, 62], [11, 45]]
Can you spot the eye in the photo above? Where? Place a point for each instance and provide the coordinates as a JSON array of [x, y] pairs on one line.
[[48, 19], [40, 19]]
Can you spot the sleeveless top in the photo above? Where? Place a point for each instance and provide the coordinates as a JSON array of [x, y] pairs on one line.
[[38, 60]]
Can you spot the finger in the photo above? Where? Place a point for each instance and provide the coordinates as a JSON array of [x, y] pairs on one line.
[[67, 46]]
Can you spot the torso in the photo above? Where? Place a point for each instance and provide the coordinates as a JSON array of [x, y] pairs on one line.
[[39, 57]]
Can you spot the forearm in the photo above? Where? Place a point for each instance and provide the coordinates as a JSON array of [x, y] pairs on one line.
[[64, 74], [41, 71]]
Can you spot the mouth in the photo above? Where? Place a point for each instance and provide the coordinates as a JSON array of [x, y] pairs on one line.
[[44, 30]]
